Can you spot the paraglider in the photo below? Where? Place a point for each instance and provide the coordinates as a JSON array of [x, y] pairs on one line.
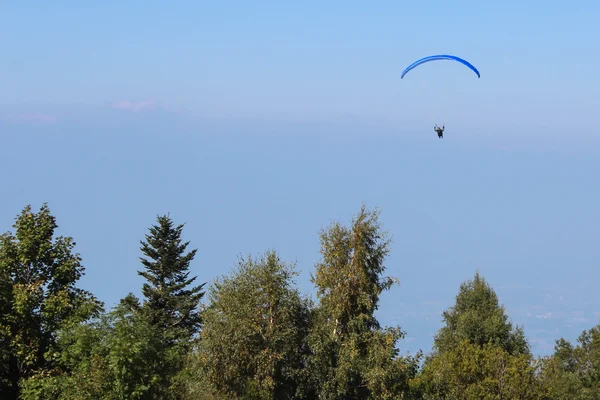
[[440, 131], [440, 57]]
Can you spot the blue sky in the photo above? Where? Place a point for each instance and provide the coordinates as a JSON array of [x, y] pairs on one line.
[[258, 123]]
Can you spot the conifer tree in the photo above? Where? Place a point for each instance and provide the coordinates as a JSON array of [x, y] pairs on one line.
[[169, 302]]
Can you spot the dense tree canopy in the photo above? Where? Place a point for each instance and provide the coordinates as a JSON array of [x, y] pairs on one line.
[[256, 336]]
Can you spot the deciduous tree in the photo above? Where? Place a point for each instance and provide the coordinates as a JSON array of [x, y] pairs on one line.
[[39, 296]]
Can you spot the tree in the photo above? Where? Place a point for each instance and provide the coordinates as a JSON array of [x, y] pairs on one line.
[[115, 356], [477, 353], [574, 371], [5, 337], [137, 350], [353, 357], [478, 318], [39, 295], [169, 303], [171, 306], [254, 332], [470, 371]]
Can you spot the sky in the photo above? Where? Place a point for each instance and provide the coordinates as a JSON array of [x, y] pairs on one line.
[[257, 124]]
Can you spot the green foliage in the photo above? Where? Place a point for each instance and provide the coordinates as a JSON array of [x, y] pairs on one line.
[[5, 331], [254, 329], [170, 303], [39, 296], [171, 306], [113, 357], [471, 371], [136, 351], [573, 372], [352, 357], [477, 353], [478, 318], [260, 338], [348, 279]]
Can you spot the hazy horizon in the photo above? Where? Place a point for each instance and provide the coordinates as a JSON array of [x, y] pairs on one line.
[[261, 124]]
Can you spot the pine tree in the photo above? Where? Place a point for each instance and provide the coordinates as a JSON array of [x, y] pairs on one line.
[[169, 303]]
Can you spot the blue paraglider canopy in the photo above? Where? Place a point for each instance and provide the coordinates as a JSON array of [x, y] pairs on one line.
[[439, 57]]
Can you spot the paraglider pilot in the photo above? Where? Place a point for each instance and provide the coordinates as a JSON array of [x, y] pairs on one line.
[[440, 131]]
